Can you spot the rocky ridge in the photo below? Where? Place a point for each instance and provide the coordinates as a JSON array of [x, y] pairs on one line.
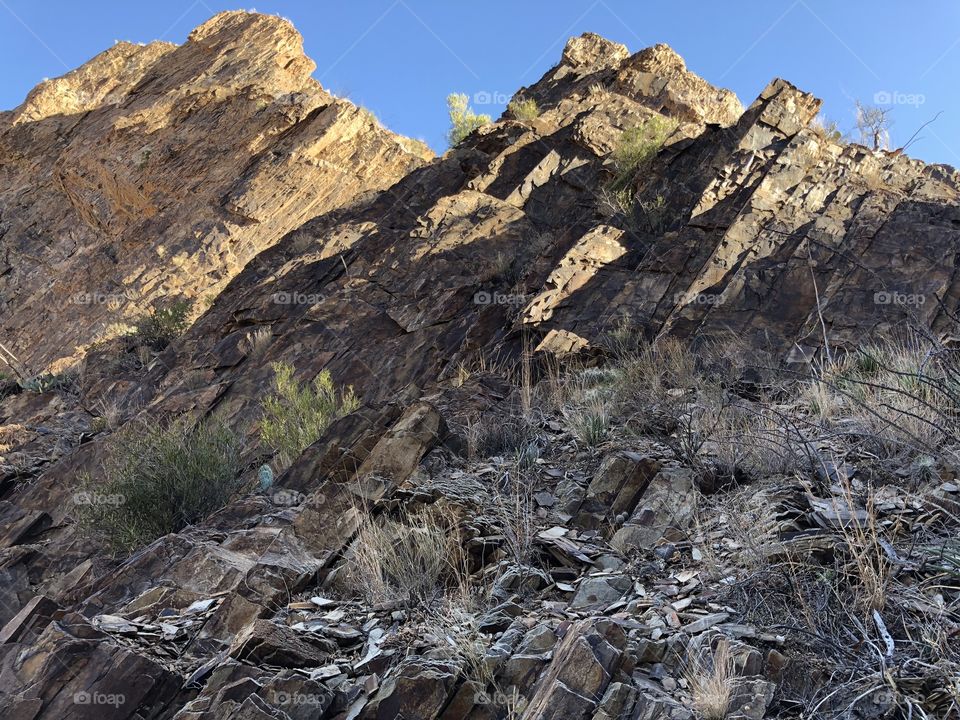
[[748, 223], [156, 172]]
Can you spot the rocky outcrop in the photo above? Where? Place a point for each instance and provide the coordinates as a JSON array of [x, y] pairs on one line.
[[156, 172], [746, 224]]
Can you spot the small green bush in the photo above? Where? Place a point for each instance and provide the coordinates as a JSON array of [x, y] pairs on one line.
[[159, 328], [638, 145], [463, 120], [296, 415], [158, 479], [48, 382], [523, 110]]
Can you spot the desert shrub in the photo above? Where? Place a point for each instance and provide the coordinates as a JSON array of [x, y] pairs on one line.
[[49, 382], [411, 559], [163, 325], [827, 128], [523, 109], [638, 145], [295, 415], [158, 479], [463, 120]]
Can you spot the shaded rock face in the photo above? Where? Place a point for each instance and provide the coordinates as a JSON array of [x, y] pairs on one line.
[[156, 172], [747, 222]]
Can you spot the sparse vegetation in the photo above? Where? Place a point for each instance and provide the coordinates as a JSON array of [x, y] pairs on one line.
[[463, 120], [256, 342], [490, 435], [163, 325], [827, 128], [417, 147], [368, 115], [873, 125], [638, 145], [49, 382], [158, 479], [712, 679], [411, 559], [523, 109], [295, 415]]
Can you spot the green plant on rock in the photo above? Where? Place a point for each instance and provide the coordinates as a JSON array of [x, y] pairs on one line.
[[637, 146], [295, 415], [166, 323], [463, 120], [523, 109], [48, 382], [157, 479]]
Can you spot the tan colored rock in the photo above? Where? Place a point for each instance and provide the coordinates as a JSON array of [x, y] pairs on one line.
[[157, 172]]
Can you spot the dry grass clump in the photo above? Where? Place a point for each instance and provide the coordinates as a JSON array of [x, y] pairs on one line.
[[255, 343], [496, 434], [864, 562], [515, 511], [711, 679], [902, 398], [691, 400], [410, 559]]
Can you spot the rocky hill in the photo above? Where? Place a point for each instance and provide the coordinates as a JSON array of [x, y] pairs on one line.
[[653, 407], [157, 172]]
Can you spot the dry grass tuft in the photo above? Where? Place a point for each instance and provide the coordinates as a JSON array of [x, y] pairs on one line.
[[711, 679], [411, 559]]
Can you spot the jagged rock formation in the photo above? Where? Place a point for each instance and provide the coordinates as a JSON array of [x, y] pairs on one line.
[[748, 222], [156, 172]]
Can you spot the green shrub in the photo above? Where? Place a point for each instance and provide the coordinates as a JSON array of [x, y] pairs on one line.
[[296, 415], [523, 110], [638, 145], [463, 120], [48, 382], [158, 479], [159, 328]]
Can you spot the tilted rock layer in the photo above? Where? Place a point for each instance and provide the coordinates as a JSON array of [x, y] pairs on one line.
[[747, 222], [156, 172]]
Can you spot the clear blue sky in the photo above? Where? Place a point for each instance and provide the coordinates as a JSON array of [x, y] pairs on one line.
[[400, 58]]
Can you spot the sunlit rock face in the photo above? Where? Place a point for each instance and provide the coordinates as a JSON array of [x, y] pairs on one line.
[[155, 172]]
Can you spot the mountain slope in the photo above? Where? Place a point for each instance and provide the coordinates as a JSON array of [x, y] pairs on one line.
[[608, 556], [154, 173]]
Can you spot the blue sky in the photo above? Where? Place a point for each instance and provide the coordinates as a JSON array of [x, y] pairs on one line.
[[401, 58]]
